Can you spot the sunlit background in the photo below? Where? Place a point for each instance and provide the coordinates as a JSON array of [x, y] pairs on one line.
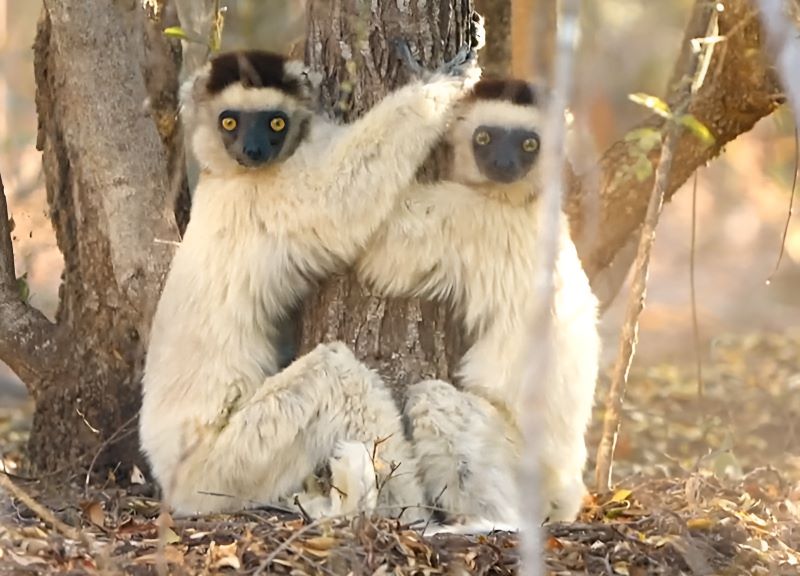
[[628, 46]]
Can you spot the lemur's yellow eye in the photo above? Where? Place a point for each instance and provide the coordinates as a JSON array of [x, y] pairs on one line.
[[277, 124], [482, 138], [530, 145], [229, 124]]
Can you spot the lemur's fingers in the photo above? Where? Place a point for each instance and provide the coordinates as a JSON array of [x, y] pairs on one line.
[[462, 65], [457, 65], [477, 31], [403, 51]]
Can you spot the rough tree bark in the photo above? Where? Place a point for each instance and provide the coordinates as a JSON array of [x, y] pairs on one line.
[[106, 168], [350, 43], [496, 56]]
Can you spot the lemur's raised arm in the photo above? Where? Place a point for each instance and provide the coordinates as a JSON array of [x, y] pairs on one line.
[[471, 238], [283, 198]]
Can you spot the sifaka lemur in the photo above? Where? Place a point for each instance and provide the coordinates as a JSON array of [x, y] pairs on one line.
[[284, 197], [471, 239]]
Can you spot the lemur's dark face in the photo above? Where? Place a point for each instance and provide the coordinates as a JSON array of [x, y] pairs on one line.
[[247, 110], [504, 154], [254, 137], [495, 138]]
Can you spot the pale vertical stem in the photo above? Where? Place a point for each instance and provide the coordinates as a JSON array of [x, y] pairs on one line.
[[3, 82], [782, 39], [541, 336]]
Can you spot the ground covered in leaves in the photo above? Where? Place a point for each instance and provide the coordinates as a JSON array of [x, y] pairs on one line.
[[705, 485]]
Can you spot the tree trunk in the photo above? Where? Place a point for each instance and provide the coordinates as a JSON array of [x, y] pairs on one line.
[[495, 58], [407, 340], [533, 38], [106, 168]]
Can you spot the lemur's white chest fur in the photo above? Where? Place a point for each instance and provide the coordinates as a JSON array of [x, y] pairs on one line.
[[488, 267]]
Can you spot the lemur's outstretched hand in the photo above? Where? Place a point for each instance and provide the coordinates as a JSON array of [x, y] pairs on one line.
[[463, 64]]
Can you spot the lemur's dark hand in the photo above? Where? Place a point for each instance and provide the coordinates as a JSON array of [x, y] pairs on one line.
[[403, 50], [462, 64]]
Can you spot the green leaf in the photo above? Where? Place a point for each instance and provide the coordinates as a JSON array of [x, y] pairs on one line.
[[697, 128], [176, 32], [646, 138], [185, 35], [643, 168], [621, 495], [652, 102]]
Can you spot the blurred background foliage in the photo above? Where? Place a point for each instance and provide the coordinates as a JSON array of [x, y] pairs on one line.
[[627, 46]]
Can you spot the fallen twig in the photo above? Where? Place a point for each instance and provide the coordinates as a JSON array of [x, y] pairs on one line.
[[44, 513]]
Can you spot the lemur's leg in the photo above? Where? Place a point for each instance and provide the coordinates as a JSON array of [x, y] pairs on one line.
[[290, 427], [466, 453], [566, 410]]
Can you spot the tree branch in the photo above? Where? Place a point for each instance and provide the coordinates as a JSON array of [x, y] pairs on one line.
[[26, 337], [741, 88]]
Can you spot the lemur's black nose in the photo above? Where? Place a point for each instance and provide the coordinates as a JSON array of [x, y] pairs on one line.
[[255, 154], [505, 163]]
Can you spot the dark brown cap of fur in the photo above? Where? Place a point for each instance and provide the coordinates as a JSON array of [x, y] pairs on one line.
[[251, 69], [511, 90]]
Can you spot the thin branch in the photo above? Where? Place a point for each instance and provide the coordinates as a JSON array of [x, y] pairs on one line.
[[27, 342], [791, 205], [46, 515], [690, 82], [119, 434], [693, 293]]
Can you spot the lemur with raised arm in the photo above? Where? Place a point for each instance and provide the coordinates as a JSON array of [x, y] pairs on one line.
[[284, 198], [471, 238]]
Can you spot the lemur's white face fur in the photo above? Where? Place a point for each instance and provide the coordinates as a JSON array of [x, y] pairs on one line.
[[495, 138], [247, 110]]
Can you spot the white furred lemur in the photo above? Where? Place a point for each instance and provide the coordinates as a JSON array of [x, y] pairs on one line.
[[284, 197], [471, 239]]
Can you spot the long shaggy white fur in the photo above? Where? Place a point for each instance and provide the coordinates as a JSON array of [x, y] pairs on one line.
[[473, 243], [220, 428]]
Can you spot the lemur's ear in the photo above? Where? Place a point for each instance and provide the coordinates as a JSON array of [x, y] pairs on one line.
[[308, 82], [514, 90]]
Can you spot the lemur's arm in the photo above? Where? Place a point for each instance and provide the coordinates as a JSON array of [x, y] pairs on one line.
[[407, 255], [376, 157]]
